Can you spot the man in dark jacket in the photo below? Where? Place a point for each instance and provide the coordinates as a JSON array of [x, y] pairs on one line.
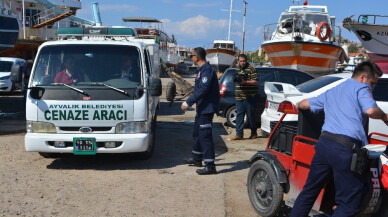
[[207, 99]]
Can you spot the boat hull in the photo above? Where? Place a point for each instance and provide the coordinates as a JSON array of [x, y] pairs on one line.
[[220, 59], [312, 57], [381, 60], [9, 31], [374, 38]]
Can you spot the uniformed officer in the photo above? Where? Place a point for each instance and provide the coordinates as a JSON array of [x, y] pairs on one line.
[[207, 99], [347, 107]]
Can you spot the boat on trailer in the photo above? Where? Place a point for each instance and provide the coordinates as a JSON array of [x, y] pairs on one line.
[[305, 39], [372, 31]]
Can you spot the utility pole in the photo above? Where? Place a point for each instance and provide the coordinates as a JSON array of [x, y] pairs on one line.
[[245, 14]]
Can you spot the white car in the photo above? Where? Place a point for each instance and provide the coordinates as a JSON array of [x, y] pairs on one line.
[[6, 64], [281, 96]]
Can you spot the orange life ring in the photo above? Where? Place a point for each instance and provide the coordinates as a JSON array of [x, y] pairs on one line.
[[319, 30]]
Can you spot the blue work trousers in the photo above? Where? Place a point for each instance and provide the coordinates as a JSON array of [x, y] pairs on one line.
[[247, 107], [203, 146], [331, 159]]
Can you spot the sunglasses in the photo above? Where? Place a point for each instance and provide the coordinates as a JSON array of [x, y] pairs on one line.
[[191, 55]]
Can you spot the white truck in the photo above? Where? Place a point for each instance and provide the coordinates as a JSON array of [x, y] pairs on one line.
[[95, 104]]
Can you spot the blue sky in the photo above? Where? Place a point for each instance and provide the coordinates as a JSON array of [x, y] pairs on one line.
[[198, 23]]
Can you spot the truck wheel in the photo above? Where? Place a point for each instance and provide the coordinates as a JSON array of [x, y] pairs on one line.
[[265, 192], [170, 91], [49, 155], [231, 117], [151, 143]]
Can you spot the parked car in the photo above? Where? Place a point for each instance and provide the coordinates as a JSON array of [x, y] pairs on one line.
[[6, 64], [281, 97], [227, 89]]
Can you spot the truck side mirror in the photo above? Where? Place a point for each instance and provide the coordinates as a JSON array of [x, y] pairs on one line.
[[16, 73], [36, 92], [156, 87]]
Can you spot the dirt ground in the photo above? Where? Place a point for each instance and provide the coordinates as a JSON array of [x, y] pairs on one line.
[[118, 185]]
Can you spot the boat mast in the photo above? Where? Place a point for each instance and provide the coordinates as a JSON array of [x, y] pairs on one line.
[[230, 18]]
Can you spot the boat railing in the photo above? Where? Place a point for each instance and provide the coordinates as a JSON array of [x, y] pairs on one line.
[[269, 29], [372, 19]]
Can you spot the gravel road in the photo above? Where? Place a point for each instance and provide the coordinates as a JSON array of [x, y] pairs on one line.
[[119, 185]]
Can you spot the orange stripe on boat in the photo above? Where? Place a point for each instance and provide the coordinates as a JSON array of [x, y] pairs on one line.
[[308, 61], [273, 48]]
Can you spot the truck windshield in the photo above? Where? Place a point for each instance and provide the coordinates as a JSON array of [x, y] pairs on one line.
[[85, 65]]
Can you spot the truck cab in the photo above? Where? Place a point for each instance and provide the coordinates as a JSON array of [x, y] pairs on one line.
[[95, 90]]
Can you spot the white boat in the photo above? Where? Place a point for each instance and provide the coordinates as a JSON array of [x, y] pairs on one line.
[[152, 28], [173, 56], [305, 39], [38, 22], [373, 35], [223, 53]]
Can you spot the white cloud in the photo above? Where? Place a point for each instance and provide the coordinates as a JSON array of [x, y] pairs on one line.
[[202, 5], [198, 27], [258, 30], [118, 8]]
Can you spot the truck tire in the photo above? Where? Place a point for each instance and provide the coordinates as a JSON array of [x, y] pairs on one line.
[[151, 145], [264, 191], [49, 155], [231, 117], [170, 91]]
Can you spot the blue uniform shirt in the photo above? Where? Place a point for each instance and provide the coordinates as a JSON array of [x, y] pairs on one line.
[[206, 90], [345, 107]]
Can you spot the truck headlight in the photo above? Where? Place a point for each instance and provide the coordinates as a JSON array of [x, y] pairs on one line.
[[40, 127], [132, 127]]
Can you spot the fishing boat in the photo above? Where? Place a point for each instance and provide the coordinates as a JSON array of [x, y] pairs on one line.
[[37, 21], [304, 38], [373, 35], [151, 28], [223, 53], [9, 30]]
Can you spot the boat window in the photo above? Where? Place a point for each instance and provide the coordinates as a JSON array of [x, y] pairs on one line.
[[230, 46], [315, 84], [5, 66], [216, 45], [316, 18], [117, 66]]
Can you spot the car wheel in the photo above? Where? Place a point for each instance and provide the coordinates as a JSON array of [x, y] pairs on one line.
[[231, 117], [151, 143], [12, 88], [170, 91], [265, 192]]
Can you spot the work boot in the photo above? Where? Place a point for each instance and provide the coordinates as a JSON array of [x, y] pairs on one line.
[[193, 162], [236, 138], [253, 136], [207, 171]]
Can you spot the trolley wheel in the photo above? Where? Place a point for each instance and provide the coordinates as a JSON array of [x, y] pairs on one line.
[[265, 192], [170, 91]]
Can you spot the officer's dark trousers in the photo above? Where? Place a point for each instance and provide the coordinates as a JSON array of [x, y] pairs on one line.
[[203, 146], [248, 107], [331, 158]]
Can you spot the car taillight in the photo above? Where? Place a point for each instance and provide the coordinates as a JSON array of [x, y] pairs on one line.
[[266, 104], [222, 90], [287, 107]]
